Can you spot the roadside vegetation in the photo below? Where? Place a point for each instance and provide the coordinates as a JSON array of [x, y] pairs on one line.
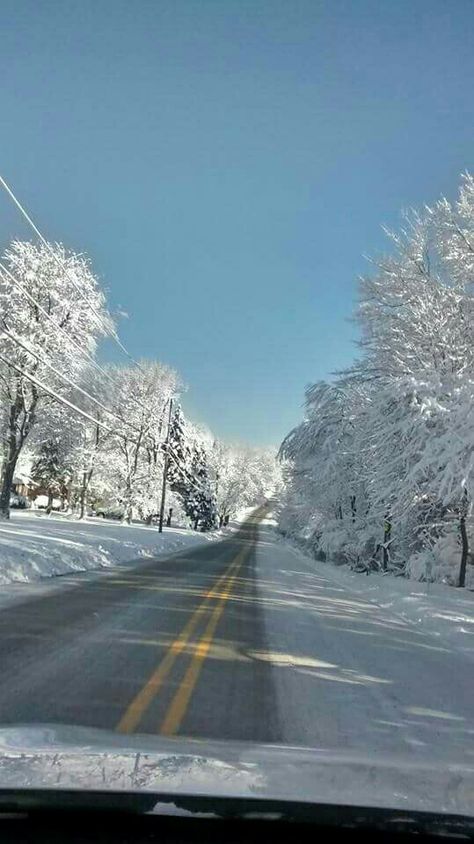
[[89, 437], [380, 471]]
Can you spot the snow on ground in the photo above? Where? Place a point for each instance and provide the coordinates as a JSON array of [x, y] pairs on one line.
[[34, 545], [243, 514], [444, 611], [350, 672]]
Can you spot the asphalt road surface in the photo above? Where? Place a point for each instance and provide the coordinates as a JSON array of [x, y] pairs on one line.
[[239, 639]]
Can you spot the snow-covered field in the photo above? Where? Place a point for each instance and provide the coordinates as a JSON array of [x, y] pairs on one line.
[[34, 545]]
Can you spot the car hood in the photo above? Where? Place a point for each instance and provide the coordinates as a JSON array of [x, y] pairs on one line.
[[61, 757]]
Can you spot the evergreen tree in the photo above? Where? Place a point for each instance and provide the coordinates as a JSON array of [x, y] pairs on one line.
[[180, 454], [51, 470], [199, 501]]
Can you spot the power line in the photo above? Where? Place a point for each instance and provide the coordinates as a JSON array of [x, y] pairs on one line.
[[63, 266], [73, 384], [56, 324], [82, 412], [56, 395], [185, 472], [100, 321], [48, 247], [68, 337], [66, 402], [76, 386], [65, 378], [86, 415]]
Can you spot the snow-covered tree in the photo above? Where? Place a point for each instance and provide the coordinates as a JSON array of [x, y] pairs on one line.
[[179, 448], [199, 496], [52, 315], [418, 340], [46, 295], [324, 461], [389, 445], [140, 399], [243, 477], [230, 479]]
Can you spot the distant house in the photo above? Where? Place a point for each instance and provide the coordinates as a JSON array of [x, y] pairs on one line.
[[22, 482], [24, 485]]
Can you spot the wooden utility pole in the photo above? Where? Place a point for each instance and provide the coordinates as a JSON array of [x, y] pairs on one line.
[[165, 469]]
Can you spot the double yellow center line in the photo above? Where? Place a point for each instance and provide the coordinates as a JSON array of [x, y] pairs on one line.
[[175, 713]]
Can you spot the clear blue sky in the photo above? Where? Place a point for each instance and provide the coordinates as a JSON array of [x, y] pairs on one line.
[[226, 164]]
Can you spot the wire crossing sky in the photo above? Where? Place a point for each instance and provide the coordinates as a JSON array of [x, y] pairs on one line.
[[227, 165]]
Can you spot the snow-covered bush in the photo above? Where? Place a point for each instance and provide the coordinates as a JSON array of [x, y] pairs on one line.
[[440, 562]]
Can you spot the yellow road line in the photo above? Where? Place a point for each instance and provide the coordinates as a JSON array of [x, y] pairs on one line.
[[142, 700], [178, 706]]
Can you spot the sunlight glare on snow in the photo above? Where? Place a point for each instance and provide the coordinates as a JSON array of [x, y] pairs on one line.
[[432, 713], [291, 659]]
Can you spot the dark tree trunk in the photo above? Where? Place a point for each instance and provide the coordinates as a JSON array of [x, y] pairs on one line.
[[387, 533], [86, 479], [7, 482], [464, 551], [127, 511], [196, 522], [68, 499], [463, 511], [62, 496], [353, 508], [82, 501], [50, 502], [17, 434]]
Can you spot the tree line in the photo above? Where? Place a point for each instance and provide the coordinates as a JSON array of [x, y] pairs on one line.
[[94, 435], [380, 471]]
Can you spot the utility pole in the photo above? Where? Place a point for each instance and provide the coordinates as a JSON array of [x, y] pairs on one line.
[[165, 469]]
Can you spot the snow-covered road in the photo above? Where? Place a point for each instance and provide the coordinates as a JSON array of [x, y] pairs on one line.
[[240, 639]]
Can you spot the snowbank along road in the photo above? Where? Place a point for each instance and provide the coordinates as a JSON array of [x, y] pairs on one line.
[[239, 639]]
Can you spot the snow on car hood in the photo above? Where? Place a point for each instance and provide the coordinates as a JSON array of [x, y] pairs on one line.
[[66, 757]]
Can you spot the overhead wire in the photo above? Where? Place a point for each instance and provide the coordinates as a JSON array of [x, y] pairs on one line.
[[54, 321], [83, 413], [44, 360], [55, 395], [62, 400], [100, 322], [21, 287], [63, 266]]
